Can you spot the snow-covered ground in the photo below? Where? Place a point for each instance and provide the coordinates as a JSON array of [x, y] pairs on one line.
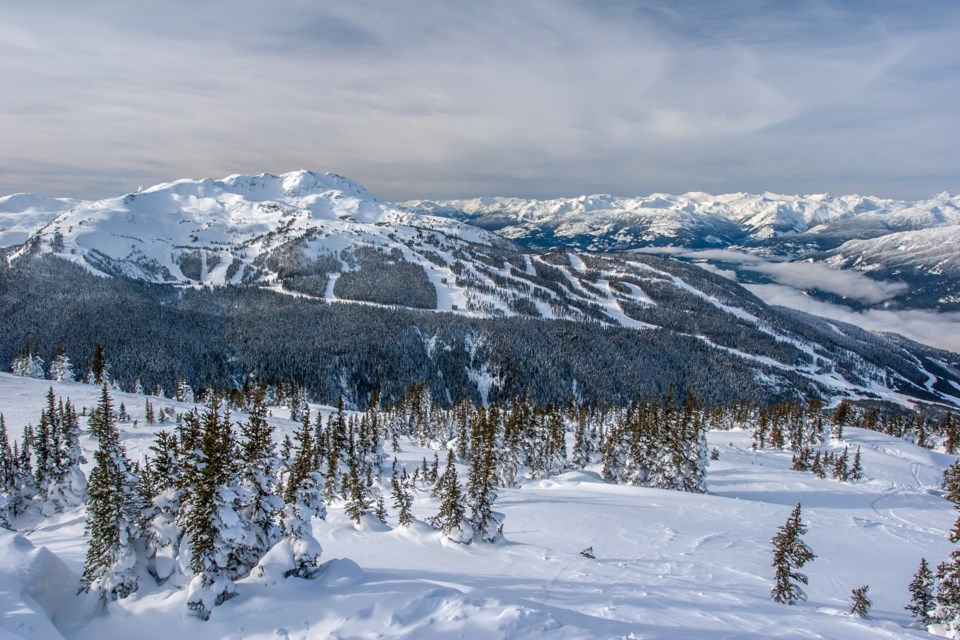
[[667, 565]]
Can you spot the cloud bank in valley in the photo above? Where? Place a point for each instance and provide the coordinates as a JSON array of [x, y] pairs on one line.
[[936, 329]]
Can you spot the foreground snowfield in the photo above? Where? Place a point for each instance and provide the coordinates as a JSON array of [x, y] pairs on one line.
[[668, 565]]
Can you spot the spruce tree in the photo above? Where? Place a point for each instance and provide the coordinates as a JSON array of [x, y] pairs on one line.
[[303, 501], [260, 467], [358, 502], [947, 609], [380, 510], [951, 483], [402, 500], [790, 553], [481, 485], [98, 366], [860, 603], [210, 512], [450, 519], [841, 469], [856, 469], [922, 600], [111, 512], [164, 532], [9, 485]]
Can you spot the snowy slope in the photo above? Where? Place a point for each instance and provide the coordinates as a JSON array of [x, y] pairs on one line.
[[668, 564], [214, 231], [22, 214], [927, 259]]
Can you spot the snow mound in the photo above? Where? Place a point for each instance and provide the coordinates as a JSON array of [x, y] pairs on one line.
[[37, 590]]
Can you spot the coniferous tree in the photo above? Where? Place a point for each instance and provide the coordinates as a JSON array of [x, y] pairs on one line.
[[304, 501], [211, 512], [98, 366], [481, 485], [841, 469], [450, 519], [856, 469], [149, 418], [402, 500], [9, 485], [109, 569], [164, 532], [951, 483], [358, 502], [61, 368], [260, 469], [790, 554], [842, 417], [380, 510], [860, 603], [947, 609], [922, 600]]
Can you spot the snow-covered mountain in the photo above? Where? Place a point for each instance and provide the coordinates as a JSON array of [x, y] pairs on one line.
[[323, 238], [22, 214], [927, 259], [613, 223], [223, 231], [784, 228]]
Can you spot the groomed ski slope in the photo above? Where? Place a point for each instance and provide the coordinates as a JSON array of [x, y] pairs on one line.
[[668, 564]]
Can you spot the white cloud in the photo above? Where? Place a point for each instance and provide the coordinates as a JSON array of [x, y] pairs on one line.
[[433, 99], [936, 329], [801, 275]]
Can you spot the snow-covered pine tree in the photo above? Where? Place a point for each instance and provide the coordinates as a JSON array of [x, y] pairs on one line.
[[211, 514], [859, 602], [481, 484], [450, 519], [358, 500], [260, 469], [950, 428], [61, 368], [28, 365], [183, 391], [25, 478], [947, 609], [922, 600], [109, 569], [164, 532], [951, 483], [790, 553], [842, 417], [694, 454], [402, 500], [298, 552], [9, 485], [73, 483], [581, 442]]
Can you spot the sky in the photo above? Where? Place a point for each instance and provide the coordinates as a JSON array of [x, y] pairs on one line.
[[421, 99]]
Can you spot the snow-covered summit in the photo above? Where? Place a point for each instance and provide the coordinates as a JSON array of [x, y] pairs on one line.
[[221, 231]]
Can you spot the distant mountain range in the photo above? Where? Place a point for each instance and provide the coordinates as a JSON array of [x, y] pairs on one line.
[[913, 243], [239, 276]]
